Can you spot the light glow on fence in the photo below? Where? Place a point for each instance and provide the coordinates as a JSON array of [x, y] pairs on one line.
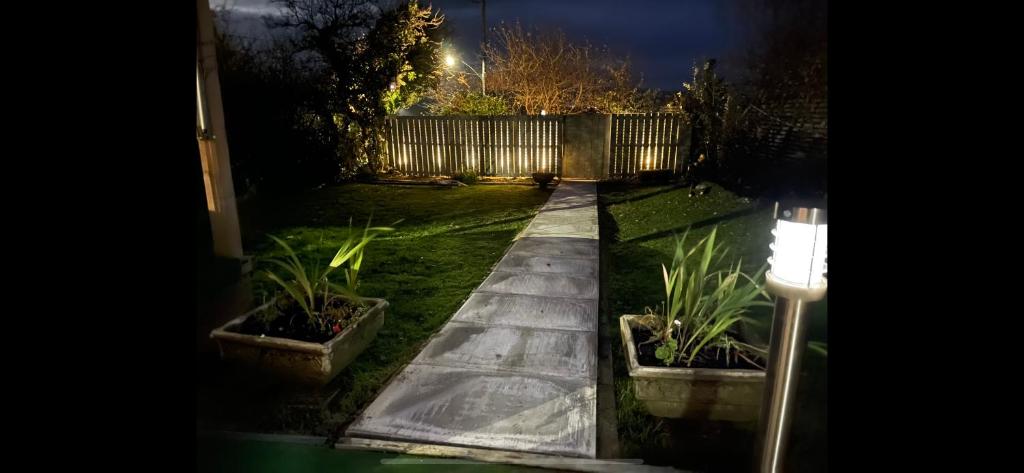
[[492, 146], [646, 141]]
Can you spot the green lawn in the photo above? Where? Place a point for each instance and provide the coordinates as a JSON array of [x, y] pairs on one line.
[[251, 454], [446, 245], [638, 225]]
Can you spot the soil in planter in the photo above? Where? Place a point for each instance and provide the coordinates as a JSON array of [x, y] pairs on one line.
[[292, 322], [706, 359]]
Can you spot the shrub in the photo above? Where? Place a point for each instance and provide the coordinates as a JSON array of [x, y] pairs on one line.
[[466, 177], [702, 307], [471, 103], [365, 174], [311, 287]]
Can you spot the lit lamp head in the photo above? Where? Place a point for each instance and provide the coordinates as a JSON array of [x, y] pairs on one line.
[[449, 60], [799, 255]]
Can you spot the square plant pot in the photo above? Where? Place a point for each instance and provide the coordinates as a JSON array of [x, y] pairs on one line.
[[693, 393], [299, 361]]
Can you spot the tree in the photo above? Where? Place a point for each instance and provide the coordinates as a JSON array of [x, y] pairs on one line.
[[397, 62], [710, 108], [787, 54], [622, 94], [783, 95], [466, 102], [379, 59], [542, 70], [270, 95], [454, 95]]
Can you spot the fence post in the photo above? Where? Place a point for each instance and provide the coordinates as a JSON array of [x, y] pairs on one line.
[[687, 143], [606, 156], [561, 146], [480, 142]]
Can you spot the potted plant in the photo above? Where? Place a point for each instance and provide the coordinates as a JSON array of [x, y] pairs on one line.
[[688, 360], [543, 178], [314, 327]]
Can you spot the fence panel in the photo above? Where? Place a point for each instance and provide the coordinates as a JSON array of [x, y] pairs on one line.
[[509, 146], [514, 146], [647, 142]]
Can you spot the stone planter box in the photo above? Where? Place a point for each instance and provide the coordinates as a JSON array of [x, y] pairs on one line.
[[295, 360], [693, 393]]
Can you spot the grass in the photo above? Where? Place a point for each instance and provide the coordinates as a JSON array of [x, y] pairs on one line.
[[638, 225], [256, 455], [446, 245]]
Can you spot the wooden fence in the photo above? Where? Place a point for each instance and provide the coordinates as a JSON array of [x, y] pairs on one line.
[[491, 146], [514, 146], [648, 141]]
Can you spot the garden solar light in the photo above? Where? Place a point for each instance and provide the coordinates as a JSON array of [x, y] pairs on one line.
[[796, 277], [449, 60], [798, 261]]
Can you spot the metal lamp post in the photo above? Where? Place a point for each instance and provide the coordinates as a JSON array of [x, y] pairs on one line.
[[797, 277], [483, 49]]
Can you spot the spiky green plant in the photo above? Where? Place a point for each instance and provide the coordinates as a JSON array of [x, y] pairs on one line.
[[702, 307], [306, 285], [352, 252]]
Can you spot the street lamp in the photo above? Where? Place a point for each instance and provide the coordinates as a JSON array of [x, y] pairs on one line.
[[797, 276], [450, 60]]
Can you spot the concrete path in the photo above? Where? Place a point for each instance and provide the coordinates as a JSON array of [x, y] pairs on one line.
[[516, 367]]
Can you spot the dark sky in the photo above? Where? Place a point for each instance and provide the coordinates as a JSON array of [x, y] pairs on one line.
[[662, 38]]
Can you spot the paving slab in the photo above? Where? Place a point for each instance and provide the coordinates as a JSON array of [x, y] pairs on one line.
[[515, 369], [562, 228], [565, 216], [569, 247], [492, 409], [573, 215], [529, 263], [526, 350], [529, 311], [541, 284]]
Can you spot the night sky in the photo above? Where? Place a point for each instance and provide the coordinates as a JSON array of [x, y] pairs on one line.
[[662, 38]]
